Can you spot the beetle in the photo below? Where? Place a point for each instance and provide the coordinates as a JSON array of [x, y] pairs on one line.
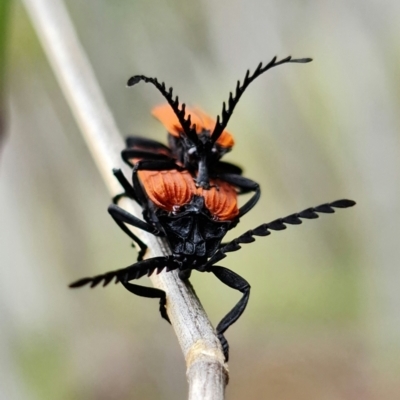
[[194, 221], [196, 141], [179, 152], [141, 154]]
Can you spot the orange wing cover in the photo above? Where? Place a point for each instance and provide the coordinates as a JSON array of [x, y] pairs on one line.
[[167, 117], [167, 189]]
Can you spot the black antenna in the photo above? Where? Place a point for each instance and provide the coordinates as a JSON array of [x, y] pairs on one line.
[[226, 113], [174, 103]]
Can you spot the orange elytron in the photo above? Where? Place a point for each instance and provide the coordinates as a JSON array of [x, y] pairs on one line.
[[201, 122], [171, 190]]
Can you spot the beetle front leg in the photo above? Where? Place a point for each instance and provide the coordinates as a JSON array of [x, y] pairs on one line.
[[245, 185], [122, 217], [152, 293], [129, 191]]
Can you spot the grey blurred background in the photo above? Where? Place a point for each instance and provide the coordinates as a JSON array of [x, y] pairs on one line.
[[323, 321]]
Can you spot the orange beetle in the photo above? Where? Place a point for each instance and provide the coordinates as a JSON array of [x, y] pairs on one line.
[[197, 141]]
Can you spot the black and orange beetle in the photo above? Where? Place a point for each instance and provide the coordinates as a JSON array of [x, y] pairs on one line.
[[189, 197], [194, 221], [196, 141]]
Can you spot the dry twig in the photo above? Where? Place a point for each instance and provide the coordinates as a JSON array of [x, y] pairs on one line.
[[206, 371]]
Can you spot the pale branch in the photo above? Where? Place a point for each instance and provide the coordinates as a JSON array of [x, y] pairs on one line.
[[206, 371]]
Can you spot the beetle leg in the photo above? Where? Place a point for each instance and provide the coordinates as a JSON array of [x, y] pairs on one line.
[[152, 293], [234, 281], [146, 144], [157, 165], [224, 167], [128, 155], [184, 274], [143, 148], [128, 188], [122, 217], [245, 185]]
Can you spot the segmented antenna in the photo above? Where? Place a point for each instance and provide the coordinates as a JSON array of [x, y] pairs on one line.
[[233, 100], [278, 225], [135, 271], [186, 123]]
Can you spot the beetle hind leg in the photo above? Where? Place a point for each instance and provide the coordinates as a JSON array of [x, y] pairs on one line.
[[149, 292], [234, 281]]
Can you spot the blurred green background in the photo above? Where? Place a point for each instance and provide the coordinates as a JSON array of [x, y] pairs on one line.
[[323, 321]]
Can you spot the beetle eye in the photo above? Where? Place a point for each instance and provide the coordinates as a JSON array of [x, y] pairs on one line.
[[214, 150], [192, 150]]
